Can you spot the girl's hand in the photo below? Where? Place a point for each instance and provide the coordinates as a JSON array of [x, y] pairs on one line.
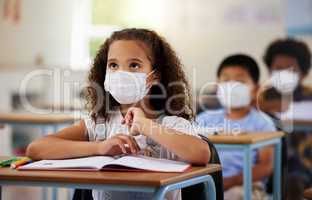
[[118, 144], [134, 118]]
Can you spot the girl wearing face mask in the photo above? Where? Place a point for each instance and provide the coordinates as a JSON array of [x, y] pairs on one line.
[[238, 77], [139, 104]]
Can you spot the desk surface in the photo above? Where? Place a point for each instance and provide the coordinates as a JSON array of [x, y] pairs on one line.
[[106, 177], [35, 118], [308, 193], [245, 138]]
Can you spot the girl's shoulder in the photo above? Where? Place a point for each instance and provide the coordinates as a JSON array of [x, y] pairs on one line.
[[178, 123], [172, 120]]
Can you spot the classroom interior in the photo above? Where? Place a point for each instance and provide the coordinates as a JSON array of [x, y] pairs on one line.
[[48, 47]]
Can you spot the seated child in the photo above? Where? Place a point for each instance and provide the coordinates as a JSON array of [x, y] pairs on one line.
[[238, 77], [288, 61], [129, 112]]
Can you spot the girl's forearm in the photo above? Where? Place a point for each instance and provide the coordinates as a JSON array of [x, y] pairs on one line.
[[187, 147], [51, 147]]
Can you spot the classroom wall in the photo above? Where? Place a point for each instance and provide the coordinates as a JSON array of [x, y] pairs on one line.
[[43, 33], [202, 32], [41, 39], [209, 31]]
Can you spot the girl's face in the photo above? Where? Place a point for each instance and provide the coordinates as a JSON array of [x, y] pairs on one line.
[[129, 56]]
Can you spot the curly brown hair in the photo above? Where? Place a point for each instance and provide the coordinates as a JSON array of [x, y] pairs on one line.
[[164, 61]]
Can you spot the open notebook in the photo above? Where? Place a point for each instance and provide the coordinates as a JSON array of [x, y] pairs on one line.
[[98, 163]]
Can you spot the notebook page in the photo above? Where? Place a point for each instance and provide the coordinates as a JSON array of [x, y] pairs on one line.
[[151, 164], [94, 162]]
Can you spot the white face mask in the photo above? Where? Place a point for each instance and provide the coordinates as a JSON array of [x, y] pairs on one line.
[[234, 94], [284, 81], [126, 87]]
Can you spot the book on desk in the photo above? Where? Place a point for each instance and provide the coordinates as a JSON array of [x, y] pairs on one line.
[[99, 163]]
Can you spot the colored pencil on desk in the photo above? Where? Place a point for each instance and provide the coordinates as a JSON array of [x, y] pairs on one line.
[[8, 162], [20, 162]]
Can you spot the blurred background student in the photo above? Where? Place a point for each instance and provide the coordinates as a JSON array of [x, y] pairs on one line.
[[288, 62], [238, 83], [289, 98]]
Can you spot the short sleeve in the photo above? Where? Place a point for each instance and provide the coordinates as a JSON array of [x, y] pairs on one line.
[[267, 123], [94, 131], [179, 124], [90, 125]]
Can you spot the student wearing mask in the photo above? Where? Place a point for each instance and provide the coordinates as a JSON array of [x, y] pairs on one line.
[[238, 77], [289, 62], [125, 117]]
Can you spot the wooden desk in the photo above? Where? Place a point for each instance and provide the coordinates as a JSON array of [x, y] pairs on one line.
[[19, 118], [44, 122], [308, 193], [158, 183], [245, 138], [37, 120], [247, 143]]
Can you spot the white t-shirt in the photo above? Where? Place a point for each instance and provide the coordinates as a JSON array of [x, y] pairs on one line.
[[101, 129]]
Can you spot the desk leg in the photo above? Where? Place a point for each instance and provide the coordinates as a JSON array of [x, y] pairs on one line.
[[54, 193], [277, 171], [160, 193], [211, 191], [247, 173], [54, 189], [0, 192], [45, 131]]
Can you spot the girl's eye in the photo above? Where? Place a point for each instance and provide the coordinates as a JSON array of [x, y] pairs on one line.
[[135, 65], [112, 66]]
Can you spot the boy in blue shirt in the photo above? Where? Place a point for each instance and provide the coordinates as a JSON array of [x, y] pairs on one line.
[[238, 77]]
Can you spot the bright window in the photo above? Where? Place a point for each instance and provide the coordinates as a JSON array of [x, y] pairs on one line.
[[96, 20]]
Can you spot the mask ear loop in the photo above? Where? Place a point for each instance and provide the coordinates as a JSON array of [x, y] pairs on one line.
[[151, 84], [152, 72]]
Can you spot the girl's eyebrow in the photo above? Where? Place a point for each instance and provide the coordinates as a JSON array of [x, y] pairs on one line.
[[135, 59], [112, 60]]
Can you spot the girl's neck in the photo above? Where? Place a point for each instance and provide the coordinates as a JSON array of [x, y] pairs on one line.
[[237, 113]]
